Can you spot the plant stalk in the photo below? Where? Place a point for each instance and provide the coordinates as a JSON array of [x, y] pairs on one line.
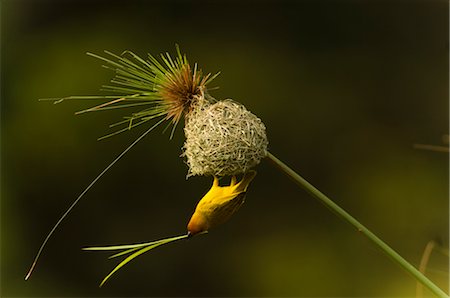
[[361, 228]]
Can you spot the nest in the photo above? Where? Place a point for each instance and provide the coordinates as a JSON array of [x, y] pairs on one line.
[[223, 139]]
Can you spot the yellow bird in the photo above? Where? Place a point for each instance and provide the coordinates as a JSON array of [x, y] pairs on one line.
[[219, 204]]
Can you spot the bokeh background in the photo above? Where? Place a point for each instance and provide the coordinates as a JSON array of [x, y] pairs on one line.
[[345, 88]]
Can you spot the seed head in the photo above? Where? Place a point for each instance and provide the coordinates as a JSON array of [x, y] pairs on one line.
[[180, 86], [166, 88]]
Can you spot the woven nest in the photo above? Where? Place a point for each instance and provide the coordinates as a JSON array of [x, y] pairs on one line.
[[223, 139]]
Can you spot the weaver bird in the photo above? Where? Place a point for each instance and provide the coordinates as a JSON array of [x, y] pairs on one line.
[[219, 204]]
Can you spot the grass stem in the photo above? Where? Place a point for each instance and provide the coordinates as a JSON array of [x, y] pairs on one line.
[[361, 228]]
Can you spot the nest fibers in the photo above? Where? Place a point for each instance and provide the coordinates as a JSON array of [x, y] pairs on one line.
[[223, 139]]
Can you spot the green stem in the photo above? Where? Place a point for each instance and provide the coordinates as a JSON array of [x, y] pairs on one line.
[[350, 219]]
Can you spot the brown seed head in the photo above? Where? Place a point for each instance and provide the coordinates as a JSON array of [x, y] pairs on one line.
[[181, 88]]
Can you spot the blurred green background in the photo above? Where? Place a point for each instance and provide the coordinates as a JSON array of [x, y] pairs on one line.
[[345, 89]]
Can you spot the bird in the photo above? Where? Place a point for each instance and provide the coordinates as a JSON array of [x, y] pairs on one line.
[[219, 204]]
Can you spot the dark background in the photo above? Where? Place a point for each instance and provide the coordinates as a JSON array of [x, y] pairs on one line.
[[345, 88]]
